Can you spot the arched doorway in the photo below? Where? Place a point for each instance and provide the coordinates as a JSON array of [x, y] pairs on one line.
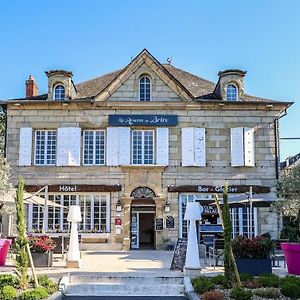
[[142, 218]]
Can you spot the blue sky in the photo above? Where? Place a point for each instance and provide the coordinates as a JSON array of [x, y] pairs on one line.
[[204, 36]]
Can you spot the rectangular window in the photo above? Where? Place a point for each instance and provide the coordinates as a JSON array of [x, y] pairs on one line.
[[210, 223], [94, 147], [95, 212], [45, 147], [142, 147]]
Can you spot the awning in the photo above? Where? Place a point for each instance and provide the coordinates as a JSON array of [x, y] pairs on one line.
[[28, 199], [243, 200]]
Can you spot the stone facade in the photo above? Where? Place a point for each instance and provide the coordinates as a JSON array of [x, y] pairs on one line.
[[215, 118]]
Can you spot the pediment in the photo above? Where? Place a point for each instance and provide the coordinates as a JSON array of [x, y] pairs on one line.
[[125, 85]]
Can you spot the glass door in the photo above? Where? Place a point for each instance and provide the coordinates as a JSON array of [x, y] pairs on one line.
[[134, 230]]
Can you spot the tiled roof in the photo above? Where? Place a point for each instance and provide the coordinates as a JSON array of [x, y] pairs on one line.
[[94, 86], [198, 87]]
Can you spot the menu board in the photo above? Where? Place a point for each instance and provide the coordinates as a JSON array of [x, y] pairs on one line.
[[170, 222], [179, 255], [159, 224]]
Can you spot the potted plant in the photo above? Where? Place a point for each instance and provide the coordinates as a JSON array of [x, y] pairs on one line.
[[289, 206], [41, 247], [253, 255]]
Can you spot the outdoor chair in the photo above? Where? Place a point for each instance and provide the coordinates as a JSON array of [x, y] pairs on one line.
[[277, 256], [216, 252]]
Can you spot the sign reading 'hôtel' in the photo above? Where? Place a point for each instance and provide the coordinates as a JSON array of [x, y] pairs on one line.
[[142, 120]]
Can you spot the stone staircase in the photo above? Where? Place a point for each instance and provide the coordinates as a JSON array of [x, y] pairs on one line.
[[134, 284]]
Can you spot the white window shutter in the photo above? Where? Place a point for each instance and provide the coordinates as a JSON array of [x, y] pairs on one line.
[[237, 147], [124, 145], [112, 146], [187, 146], [199, 144], [249, 147], [74, 146], [62, 146], [162, 146], [25, 150]]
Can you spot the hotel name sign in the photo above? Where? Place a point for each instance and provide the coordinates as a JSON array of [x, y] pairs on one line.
[[219, 188], [142, 120], [73, 188]]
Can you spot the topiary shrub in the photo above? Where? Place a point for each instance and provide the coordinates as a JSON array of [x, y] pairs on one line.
[[202, 284], [8, 293], [290, 287], [269, 280], [34, 294], [219, 280], [269, 293], [50, 285], [240, 294], [213, 295], [7, 279]]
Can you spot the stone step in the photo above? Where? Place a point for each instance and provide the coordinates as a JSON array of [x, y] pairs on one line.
[[121, 279], [113, 289]]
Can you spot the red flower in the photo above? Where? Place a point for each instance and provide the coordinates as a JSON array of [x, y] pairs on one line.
[[41, 243]]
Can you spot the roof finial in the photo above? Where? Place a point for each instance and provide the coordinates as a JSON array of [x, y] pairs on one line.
[[169, 60]]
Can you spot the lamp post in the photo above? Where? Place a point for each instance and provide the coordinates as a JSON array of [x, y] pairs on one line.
[[192, 262], [74, 216]]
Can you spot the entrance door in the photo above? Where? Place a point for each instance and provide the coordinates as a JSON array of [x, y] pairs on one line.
[[146, 230], [142, 228]]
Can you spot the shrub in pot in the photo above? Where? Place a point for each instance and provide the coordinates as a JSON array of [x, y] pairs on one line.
[[41, 247], [253, 255]]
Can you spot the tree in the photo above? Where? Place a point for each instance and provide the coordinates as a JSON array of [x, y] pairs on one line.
[[231, 272], [289, 200], [22, 259]]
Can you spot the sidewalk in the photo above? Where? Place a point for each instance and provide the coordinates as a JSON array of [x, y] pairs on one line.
[[135, 261]]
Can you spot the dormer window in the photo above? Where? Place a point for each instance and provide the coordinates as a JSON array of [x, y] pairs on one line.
[[59, 92], [231, 92], [145, 88]]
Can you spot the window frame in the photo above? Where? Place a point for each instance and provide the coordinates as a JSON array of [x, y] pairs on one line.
[[237, 91], [94, 147], [45, 153], [58, 219], [150, 88], [55, 87], [143, 146]]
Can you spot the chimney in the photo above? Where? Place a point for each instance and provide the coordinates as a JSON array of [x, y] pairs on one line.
[[31, 87]]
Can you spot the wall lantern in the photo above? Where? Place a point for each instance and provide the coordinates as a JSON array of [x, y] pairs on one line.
[[119, 206], [167, 207]]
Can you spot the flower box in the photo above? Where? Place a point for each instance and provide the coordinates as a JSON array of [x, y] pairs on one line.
[[42, 259], [254, 266], [292, 257]]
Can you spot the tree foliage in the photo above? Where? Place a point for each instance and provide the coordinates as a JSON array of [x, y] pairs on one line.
[[21, 242], [289, 193]]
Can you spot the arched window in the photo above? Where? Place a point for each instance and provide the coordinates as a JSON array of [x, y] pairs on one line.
[[145, 88], [59, 92], [231, 92], [142, 192]]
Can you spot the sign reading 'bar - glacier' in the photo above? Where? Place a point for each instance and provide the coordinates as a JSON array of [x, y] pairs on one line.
[[145, 120]]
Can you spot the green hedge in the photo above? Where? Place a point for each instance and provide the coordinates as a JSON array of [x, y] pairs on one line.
[[8, 293], [34, 294]]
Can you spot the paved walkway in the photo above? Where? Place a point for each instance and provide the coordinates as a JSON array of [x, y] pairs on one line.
[[121, 262]]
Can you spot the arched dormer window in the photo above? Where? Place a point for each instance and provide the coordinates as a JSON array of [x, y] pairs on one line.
[[145, 88], [59, 92], [231, 92]]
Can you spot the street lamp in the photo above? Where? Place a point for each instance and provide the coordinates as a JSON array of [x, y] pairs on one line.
[[74, 216], [192, 262]]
